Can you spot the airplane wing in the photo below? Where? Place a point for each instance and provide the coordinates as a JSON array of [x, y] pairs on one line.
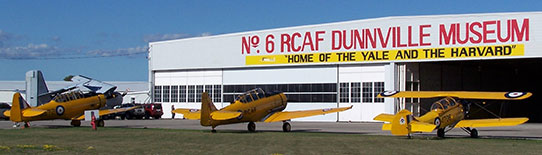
[[287, 115], [194, 114], [224, 115], [31, 112], [458, 94], [495, 122], [109, 111]]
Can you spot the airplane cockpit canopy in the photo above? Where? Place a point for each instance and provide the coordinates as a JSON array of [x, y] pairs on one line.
[[251, 95], [68, 96], [442, 104]]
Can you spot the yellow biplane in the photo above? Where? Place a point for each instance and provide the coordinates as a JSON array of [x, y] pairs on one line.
[[252, 106], [68, 106], [446, 113]]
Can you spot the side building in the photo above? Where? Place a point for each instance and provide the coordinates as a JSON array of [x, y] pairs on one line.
[[349, 63]]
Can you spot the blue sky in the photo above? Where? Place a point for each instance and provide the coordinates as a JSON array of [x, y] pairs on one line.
[[107, 40]]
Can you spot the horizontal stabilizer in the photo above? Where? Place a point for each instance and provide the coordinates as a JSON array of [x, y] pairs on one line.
[[421, 127], [193, 114], [495, 122], [384, 117], [224, 115], [32, 112], [458, 94], [287, 115]]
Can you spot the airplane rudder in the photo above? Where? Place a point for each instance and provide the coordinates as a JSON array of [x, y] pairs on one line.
[[17, 105], [207, 107], [401, 123]]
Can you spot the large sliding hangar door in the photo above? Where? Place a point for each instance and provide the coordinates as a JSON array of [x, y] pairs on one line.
[[306, 88], [484, 75]]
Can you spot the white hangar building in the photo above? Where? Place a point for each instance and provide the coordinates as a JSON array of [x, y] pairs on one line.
[[349, 63]]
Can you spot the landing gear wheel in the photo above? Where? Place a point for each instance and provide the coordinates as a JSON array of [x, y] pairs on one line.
[[26, 124], [100, 123], [440, 133], [213, 130], [251, 126], [473, 133], [286, 127], [76, 123]]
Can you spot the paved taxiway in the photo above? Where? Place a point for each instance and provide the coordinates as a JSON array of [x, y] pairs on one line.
[[524, 131]]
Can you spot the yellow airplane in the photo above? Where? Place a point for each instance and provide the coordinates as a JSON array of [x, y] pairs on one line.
[[68, 106], [446, 113], [252, 106]]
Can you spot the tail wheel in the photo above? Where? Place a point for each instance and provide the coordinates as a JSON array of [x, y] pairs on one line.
[[76, 123], [26, 124], [474, 133], [286, 127], [251, 126], [440, 133]]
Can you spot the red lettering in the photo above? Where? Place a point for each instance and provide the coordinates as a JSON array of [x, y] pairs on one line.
[[399, 38], [422, 35], [351, 40], [369, 38], [458, 33], [486, 31], [285, 40], [294, 48], [333, 42], [507, 31], [476, 33], [410, 44], [383, 42], [447, 36], [357, 38], [318, 39], [520, 33], [307, 41], [245, 45]]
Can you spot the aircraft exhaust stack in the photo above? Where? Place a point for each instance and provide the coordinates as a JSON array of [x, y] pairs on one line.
[[207, 107]]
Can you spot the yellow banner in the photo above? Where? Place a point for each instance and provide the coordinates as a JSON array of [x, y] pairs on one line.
[[387, 55]]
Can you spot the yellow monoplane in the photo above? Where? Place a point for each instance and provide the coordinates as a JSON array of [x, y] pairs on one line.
[[68, 106], [252, 106], [446, 113]]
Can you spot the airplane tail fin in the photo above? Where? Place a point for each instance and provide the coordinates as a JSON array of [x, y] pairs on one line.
[[401, 123], [17, 107], [207, 107], [35, 86]]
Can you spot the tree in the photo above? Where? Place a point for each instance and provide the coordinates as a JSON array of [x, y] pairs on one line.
[[68, 78]]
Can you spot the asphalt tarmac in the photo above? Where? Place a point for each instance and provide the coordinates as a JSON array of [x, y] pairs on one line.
[[524, 131]]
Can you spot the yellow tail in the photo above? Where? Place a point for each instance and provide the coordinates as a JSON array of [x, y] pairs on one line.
[[17, 107], [207, 107], [401, 123]]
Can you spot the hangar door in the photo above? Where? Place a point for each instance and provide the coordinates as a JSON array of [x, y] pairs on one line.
[[359, 86], [183, 89]]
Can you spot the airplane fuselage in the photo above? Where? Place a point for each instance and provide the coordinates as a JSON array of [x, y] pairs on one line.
[[254, 111], [69, 109], [445, 112]]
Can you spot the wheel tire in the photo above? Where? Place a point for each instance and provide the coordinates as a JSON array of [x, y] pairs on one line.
[[26, 124], [286, 127], [440, 133], [473, 133], [128, 116], [122, 117], [156, 117], [76, 123], [251, 126], [100, 123]]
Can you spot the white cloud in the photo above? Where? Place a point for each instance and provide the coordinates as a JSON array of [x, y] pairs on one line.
[[118, 52], [30, 51]]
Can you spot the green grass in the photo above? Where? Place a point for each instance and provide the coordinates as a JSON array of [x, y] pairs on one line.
[[83, 140]]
